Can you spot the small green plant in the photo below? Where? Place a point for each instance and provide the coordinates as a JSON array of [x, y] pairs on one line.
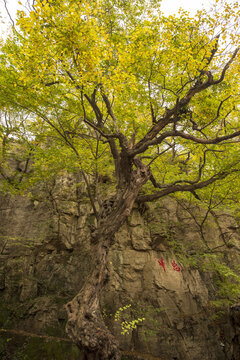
[[120, 310], [127, 325], [135, 314]]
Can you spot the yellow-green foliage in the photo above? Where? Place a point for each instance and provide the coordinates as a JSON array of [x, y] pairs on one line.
[[127, 325], [171, 84], [227, 279], [54, 67]]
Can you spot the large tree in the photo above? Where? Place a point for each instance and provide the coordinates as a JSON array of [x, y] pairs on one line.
[[117, 87]]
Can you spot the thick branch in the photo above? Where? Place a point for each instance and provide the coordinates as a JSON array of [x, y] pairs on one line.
[[199, 86], [214, 50], [90, 194], [122, 139], [105, 135], [217, 116], [176, 188], [100, 129], [195, 139], [109, 109], [226, 67], [115, 154], [158, 140], [97, 111], [199, 176], [52, 83]]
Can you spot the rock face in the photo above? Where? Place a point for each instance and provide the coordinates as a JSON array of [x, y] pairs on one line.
[[45, 256]]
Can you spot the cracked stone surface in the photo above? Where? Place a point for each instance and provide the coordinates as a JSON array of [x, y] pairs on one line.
[[45, 256]]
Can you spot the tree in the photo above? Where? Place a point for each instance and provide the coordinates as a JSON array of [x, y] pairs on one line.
[[117, 85]]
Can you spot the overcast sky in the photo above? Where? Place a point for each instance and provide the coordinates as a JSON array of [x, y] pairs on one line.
[[168, 7], [172, 6]]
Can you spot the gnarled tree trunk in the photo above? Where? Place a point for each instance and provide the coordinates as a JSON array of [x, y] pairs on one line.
[[85, 323]]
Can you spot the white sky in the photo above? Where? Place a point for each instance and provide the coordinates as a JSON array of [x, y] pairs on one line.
[[172, 6], [168, 7]]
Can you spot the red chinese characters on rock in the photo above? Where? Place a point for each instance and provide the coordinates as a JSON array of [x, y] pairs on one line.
[[161, 263], [175, 266]]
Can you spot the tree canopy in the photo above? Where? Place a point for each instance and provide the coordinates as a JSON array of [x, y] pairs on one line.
[[116, 87], [100, 77]]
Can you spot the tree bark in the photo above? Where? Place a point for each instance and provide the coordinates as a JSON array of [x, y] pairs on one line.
[[85, 324]]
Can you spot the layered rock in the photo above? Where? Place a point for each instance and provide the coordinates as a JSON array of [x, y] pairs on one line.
[[45, 255]]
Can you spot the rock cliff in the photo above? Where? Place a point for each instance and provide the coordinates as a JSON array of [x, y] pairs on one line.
[[162, 292]]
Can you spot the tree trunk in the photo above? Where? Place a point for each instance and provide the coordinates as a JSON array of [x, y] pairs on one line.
[[85, 324]]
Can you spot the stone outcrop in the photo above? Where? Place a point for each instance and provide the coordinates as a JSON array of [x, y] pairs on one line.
[[45, 256]]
